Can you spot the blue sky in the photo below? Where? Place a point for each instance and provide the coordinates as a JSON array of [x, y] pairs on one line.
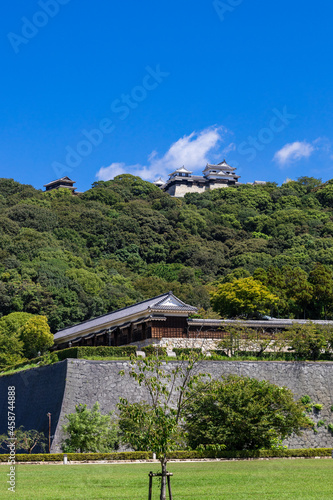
[[94, 89]]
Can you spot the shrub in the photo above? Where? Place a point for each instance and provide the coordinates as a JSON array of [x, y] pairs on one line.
[[100, 351], [154, 350], [107, 351], [70, 352], [305, 400], [90, 431], [186, 350], [78, 457], [180, 455], [242, 413]]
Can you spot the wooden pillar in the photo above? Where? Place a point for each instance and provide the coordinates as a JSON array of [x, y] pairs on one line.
[[169, 487], [165, 477], [130, 332], [150, 492]]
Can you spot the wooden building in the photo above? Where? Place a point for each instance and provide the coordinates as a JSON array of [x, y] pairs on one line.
[[63, 182], [152, 319], [159, 320]]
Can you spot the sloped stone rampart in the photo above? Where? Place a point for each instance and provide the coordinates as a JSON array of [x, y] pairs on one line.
[[89, 381], [38, 391]]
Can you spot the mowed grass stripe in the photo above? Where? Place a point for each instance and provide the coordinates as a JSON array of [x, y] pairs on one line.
[[241, 480]]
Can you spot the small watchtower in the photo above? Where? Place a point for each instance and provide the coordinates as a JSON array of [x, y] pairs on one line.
[[64, 182]]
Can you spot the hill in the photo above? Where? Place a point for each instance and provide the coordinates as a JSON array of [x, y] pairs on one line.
[[74, 257]]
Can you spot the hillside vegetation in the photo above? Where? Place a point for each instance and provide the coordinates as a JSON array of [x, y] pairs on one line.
[[71, 258]]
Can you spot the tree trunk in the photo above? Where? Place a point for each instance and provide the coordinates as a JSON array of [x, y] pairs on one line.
[[163, 479]]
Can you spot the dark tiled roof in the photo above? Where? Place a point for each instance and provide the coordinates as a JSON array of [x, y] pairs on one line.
[[164, 302]]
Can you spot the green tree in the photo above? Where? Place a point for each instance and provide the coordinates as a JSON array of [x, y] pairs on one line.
[[155, 425], [307, 341], [29, 333], [11, 323], [11, 344], [232, 341], [36, 336], [89, 431], [242, 413], [243, 296], [11, 348], [322, 281], [240, 339], [24, 440], [298, 290]]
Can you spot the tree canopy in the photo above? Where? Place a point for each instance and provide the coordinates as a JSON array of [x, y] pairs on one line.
[[71, 258], [243, 413], [243, 296], [23, 335], [89, 431]]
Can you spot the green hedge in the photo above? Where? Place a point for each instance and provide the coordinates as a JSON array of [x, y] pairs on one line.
[[182, 455], [186, 350], [71, 352], [306, 452], [154, 350], [75, 457], [101, 351]]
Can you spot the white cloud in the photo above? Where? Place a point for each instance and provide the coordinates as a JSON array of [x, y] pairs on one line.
[[107, 173], [230, 147], [293, 152], [191, 150]]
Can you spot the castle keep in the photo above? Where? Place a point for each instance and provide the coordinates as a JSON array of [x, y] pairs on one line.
[[181, 181]]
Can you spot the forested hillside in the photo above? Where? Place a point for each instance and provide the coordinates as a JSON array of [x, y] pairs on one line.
[[74, 257]]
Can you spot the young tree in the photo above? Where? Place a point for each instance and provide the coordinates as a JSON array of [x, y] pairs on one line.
[[244, 339], [233, 341], [154, 425], [89, 431], [307, 341], [242, 413]]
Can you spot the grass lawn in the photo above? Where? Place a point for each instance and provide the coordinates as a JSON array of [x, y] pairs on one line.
[[259, 479]]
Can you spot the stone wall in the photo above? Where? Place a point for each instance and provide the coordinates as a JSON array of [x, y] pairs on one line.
[[45, 389], [38, 391], [172, 342]]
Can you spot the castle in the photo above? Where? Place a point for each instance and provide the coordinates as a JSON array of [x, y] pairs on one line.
[[181, 181]]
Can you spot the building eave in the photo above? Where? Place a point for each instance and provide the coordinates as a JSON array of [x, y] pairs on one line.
[[126, 315]]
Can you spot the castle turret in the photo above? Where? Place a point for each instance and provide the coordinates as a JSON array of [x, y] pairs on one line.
[[221, 172], [159, 182], [180, 172]]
